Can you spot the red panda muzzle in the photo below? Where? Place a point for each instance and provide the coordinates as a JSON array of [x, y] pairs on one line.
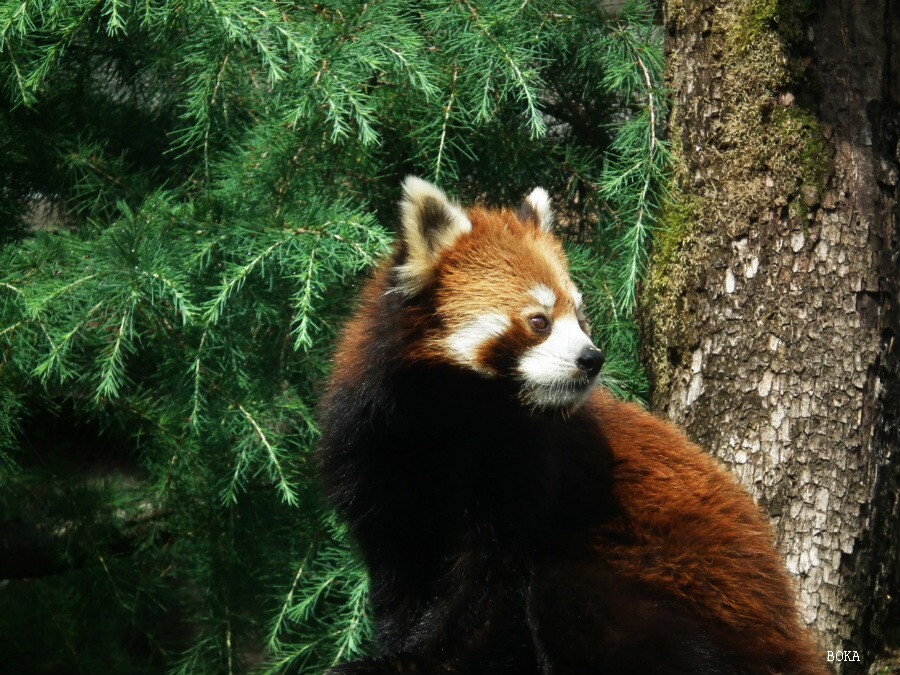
[[591, 360]]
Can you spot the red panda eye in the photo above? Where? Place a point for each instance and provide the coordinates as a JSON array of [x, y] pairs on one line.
[[539, 323]]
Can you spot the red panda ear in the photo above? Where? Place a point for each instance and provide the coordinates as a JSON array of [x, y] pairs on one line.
[[430, 224], [536, 210]]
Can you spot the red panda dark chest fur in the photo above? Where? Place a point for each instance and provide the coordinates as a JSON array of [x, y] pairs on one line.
[[512, 517]]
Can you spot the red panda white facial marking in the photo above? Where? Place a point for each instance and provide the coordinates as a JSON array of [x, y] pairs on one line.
[[544, 295], [466, 342], [553, 371], [499, 297], [558, 373]]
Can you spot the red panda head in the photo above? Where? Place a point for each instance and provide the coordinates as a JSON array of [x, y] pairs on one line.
[[498, 296]]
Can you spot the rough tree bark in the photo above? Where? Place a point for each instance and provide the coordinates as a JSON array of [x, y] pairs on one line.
[[772, 321]]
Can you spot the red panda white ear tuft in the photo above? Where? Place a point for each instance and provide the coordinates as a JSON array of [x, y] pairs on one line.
[[431, 224], [536, 209]]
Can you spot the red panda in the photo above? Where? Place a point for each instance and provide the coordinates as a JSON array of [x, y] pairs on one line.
[[513, 517]]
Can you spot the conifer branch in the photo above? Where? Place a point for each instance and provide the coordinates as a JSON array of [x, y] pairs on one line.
[[240, 273], [112, 371], [650, 103], [220, 176], [287, 492], [275, 631], [447, 108], [196, 399], [304, 306]]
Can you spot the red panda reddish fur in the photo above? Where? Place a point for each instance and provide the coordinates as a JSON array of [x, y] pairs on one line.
[[696, 535], [507, 540]]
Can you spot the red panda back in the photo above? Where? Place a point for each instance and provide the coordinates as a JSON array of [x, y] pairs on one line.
[[695, 534]]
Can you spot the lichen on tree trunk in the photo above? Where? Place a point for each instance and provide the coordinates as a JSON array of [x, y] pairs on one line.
[[770, 312]]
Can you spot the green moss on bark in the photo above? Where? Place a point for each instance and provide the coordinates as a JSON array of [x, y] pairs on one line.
[[668, 274], [762, 148], [784, 17]]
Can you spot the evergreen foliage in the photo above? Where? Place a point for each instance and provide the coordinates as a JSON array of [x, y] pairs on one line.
[[189, 192]]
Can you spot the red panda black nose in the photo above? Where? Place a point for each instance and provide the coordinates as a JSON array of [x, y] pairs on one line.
[[590, 361]]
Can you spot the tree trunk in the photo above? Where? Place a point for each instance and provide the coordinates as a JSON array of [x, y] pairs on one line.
[[772, 318]]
